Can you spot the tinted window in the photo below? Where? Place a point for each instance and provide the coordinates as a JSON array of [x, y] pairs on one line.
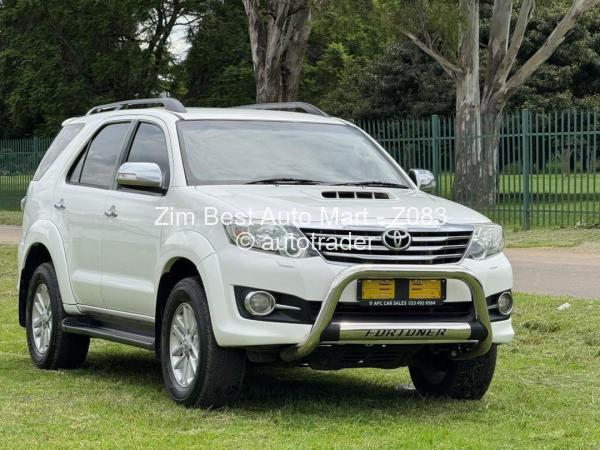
[[244, 151], [149, 145], [102, 155], [64, 138]]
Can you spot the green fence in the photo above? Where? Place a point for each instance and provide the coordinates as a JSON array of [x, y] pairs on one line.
[[18, 160], [548, 162]]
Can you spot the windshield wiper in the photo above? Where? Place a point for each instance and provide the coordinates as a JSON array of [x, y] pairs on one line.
[[284, 181], [374, 184]]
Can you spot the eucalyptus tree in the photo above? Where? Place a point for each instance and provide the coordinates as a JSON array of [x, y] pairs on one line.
[[449, 32], [279, 32]]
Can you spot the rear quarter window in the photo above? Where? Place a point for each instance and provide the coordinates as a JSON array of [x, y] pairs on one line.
[[64, 138]]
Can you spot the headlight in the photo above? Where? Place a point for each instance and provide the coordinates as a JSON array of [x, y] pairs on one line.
[[487, 240], [285, 240]]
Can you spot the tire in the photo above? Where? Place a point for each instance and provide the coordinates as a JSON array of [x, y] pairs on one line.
[[218, 372], [49, 346], [463, 380]]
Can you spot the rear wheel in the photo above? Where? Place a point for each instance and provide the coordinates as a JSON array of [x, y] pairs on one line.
[[467, 380], [49, 346], [196, 371]]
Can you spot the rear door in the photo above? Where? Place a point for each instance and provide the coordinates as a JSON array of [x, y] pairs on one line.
[[131, 240], [79, 209]]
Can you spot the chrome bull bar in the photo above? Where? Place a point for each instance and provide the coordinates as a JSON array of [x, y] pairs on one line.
[[401, 333]]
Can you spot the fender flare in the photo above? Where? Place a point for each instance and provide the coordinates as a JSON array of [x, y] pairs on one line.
[[188, 244], [46, 233], [43, 232]]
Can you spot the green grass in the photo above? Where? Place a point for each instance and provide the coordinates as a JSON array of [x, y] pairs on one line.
[[554, 237], [549, 183], [544, 395], [11, 217]]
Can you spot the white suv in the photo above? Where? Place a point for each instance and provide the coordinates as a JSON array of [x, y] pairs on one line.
[[262, 234]]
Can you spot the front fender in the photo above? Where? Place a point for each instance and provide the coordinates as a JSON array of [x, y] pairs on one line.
[[188, 244]]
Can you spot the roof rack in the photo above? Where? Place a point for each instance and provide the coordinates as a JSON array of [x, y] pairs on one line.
[[288, 106], [170, 104]]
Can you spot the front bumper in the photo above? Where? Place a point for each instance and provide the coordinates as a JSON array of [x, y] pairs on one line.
[[312, 279], [400, 333]]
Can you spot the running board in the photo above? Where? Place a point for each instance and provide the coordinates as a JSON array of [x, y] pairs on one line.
[[95, 329]]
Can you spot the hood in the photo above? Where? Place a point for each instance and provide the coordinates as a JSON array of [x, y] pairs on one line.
[[306, 204]]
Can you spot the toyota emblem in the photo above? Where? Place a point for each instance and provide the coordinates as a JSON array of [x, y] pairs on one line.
[[396, 239]]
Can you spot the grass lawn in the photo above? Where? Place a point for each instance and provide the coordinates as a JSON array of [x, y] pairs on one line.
[[545, 394], [553, 237], [11, 217]]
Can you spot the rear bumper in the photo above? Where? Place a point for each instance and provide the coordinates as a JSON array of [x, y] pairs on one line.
[[477, 333]]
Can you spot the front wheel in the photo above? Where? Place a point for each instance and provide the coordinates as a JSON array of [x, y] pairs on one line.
[[196, 371], [464, 380]]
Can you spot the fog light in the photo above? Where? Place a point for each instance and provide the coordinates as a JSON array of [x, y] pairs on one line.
[[259, 303], [505, 303]]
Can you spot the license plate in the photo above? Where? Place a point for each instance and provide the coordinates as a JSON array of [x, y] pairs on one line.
[[424, 289], [378, 289], [401, 292]]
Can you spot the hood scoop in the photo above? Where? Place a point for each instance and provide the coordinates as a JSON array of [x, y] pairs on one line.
[[356, 195]]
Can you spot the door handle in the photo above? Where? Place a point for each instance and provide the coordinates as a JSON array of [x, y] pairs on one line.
[[111, 212], [60, 205]]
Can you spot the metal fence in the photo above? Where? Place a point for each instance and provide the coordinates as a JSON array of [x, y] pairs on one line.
[[548, 162], [549, 167], [18, 160]]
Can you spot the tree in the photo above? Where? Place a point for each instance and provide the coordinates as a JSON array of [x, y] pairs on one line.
[[217, 71], [279, 32], [158, 22], [60, 57], [478, 112]]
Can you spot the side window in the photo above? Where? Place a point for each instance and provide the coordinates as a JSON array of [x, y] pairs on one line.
[[149, 145], [101, 157], [64, 138]]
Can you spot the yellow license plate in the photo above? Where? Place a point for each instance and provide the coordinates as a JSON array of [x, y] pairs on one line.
[[378, 289], [424, 289]]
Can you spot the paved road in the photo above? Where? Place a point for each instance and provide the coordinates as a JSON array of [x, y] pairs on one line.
[[564, 271], [536, 270], [10, 234]]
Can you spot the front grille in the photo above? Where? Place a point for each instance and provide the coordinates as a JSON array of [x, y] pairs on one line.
[[441, 246]]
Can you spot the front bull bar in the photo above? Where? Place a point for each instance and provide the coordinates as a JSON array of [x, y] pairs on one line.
[[372, 271]]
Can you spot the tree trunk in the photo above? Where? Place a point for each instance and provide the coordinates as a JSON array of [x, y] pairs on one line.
[[279, 32], [471, 169], [491, 122], [468, 155], [293, 57]]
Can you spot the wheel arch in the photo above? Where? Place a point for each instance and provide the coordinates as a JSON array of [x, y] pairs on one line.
[[175, 270], [42, 243]]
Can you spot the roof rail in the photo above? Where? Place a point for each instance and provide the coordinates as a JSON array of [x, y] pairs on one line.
[[288, 106], [170, 104]]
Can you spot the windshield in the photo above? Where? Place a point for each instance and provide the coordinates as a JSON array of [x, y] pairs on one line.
[[236, 152]]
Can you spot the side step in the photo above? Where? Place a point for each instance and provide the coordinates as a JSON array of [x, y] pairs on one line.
[[96, 329]]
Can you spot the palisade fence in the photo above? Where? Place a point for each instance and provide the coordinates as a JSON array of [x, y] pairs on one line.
[[549, 167], [18, 160]]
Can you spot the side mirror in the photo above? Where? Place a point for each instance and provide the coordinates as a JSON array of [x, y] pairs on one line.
[[424, 179], [140, 174]]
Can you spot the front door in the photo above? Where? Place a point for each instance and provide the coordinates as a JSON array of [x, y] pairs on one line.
[[131, 240]]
